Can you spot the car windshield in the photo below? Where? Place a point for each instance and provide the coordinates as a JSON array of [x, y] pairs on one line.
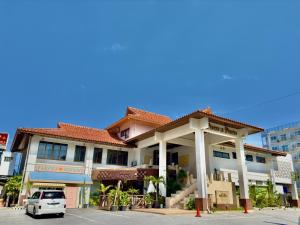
[[53, 194]]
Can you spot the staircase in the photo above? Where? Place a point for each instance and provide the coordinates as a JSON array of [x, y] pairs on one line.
[[181, 197]]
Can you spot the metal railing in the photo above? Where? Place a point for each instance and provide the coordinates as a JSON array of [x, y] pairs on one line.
[[136, 201]]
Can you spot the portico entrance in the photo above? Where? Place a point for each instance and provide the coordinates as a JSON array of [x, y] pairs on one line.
[[195, 134]]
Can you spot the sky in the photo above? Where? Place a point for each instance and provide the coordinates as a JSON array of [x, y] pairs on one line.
[[85, 61]]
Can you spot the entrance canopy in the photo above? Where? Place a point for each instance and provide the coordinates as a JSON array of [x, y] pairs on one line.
[[65, 178]]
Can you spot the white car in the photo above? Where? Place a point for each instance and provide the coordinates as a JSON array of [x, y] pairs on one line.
[[46, 202]]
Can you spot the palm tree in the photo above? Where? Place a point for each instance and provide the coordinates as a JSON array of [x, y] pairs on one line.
[[102, 190], [156, 181]]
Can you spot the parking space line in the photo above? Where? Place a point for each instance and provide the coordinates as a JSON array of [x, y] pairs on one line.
[[114, 214], [81, 217]]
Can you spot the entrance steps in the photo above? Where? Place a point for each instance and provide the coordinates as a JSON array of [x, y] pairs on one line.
[[180, 198]]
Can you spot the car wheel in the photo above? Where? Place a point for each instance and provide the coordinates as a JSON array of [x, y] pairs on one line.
[[61, 215]]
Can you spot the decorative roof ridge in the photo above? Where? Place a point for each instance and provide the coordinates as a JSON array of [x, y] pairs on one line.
[[63, 124], [130, 107]]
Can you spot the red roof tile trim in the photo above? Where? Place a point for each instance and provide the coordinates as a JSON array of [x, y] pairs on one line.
[[79, 133]]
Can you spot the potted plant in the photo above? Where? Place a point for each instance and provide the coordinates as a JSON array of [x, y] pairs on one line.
[[113, 197], [132, 192], [156, 181], [148, 200], [124, 200]]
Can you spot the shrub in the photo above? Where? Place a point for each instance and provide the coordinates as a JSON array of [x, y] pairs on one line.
[[190, 204]]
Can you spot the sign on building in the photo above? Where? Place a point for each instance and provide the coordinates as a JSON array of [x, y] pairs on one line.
[[3, 140]]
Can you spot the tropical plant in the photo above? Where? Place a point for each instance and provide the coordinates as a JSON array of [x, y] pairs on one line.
[[148, 199], [12, 187], [102, 190], [190, 205], [113, 196], [181, 176], [265, 196], [156, 181], [124, 198], [132, 192]]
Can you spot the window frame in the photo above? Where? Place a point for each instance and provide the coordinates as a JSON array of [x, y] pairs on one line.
[[119, 153], [96, 158], [220, 154], [249, 158], [79, 148], [44, 153], [260, 161], [125, 133]]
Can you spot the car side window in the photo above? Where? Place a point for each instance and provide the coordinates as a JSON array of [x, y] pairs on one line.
[[36, 195]]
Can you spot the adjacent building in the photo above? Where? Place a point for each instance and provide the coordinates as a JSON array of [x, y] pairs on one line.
[[6, 161], [284, 138], [209, 147]]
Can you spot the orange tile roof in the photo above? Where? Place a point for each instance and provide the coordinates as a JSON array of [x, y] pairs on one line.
[[78, 133], [144, 116], [147, 116]]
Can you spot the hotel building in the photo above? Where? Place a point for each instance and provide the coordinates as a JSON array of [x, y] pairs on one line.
[[209, 147]]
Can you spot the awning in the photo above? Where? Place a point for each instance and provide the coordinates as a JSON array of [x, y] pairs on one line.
[[64, 178], [54, 185]]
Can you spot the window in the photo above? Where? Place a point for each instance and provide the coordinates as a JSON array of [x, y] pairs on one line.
[[125, 133], [260, 159], [52, 151], [172, 158], [283, 137], [223, 155], [273, 138], [234, 155], [79, 153], [117, 158], [249, 158], [297, 133], [298, 145], [53, 195], [8, 159], [97, 158], [285, 148], [275, 148], [156, 157], [36, 195]]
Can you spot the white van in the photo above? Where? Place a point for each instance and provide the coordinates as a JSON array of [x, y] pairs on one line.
[[46, 202]]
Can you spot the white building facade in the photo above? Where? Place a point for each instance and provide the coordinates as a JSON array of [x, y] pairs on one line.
[[285, 138], [72, 157]]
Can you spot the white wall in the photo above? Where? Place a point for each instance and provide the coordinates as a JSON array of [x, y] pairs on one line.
[[6, 167]]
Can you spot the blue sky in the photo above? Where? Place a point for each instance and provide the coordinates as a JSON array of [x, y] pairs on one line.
[[84, 61]]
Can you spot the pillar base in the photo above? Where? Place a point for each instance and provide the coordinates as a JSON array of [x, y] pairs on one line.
[[201, 203], [296, 203], [246, 203]]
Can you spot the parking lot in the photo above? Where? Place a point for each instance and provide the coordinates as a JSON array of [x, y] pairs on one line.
[[92, 216]]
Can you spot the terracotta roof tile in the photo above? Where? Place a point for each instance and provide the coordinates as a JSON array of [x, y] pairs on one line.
[[147, 116], [80, 133]]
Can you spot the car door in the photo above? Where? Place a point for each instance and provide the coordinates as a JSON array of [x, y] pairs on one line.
[[33, 200]]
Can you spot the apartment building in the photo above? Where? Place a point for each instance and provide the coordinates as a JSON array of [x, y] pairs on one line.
[[285, 138]]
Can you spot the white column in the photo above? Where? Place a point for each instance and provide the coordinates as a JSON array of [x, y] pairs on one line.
[[200, 163], [163, 166], [89, 159], [242, 169], [104, 156]]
